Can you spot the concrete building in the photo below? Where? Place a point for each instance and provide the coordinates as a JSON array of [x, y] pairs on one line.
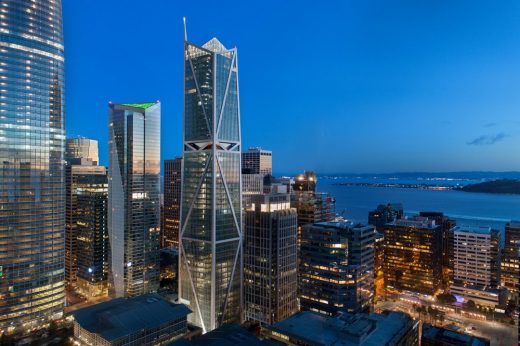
[[413, 255], [146, 320], [81, 148], [510, 266], [172, 202], [270, 258], [252, 184], [226, 335], [336, 271], [257, 161], [133, 197], [435, 336], [476, 265], [311, 329]]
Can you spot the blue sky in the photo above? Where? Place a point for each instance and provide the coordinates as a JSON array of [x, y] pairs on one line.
[[336, 86]]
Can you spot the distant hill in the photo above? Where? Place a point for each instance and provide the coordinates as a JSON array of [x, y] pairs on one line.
[[502, 186]]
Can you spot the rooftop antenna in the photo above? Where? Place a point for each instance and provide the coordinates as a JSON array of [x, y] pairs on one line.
[[185, 31]]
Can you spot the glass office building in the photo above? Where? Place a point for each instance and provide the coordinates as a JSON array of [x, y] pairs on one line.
[[210, 258], [133, 197], [81, 148], [32, 216]]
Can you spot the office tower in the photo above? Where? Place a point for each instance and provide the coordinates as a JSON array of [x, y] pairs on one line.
[[32, 187], [384, 214], [389, 328], [85, 213], [81, 148], [91, 233], [257, 161], [306, 181], [413, 255], [172, 202], [210, 261], [133, 197], [336, 267], [509, 265], [476, 265], [270, 258], [252, 184], [446, 225]]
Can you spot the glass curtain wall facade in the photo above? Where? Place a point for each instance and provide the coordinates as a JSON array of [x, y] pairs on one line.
[[32, 217], [133, 198], [172, 202], [210, 258], [81, 148]]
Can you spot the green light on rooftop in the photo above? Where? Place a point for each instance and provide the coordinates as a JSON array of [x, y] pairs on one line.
[[139, 105]]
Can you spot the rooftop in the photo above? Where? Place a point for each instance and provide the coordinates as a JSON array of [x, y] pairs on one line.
[[143, 105], [120, 317], [229, 334], [434, 333], [473, 229], [347, 329]]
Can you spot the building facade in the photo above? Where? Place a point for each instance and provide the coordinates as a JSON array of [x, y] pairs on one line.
[[336, 271], [385, 213], [85, 188], [210, 260], [510, 266], [172, 202], [476, 265], [257, 161], [32, 186], [133, 197], [270, 259], [413, 255], [81, 148]]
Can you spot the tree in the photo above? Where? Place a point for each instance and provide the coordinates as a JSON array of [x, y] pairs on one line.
[[446, 298], [471, 304], [6, 340]]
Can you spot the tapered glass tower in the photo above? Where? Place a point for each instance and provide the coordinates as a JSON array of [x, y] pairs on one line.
[[134, 142], [32, 190], [210, 258]]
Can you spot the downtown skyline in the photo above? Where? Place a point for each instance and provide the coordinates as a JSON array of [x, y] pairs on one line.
[[435, 83]]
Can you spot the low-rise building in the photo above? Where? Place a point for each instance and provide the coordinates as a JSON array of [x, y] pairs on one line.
[[312, 329], [227, 335], [435, 336], [143, 320]]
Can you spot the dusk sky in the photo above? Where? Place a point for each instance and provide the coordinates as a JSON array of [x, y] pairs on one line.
[[347, 86]]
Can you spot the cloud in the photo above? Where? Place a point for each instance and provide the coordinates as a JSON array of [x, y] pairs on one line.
[[490, 124], [488, 139]]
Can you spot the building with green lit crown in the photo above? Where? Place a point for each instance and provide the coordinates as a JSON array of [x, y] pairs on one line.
[[133, 197]]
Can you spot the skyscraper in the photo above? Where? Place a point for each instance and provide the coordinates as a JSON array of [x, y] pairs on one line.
[[172, 202], [32, 190], [257, 161], [336, 267], [81, 148], [413, 255], [270, 258], [133, 197], [210, 258]]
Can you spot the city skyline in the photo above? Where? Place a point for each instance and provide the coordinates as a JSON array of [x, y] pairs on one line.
[[446, 86]]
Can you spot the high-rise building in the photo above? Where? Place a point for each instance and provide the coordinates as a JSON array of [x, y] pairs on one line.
[[305, 182], [476, 265], [172, 202], [91, 233], [81, 148], [252, 184], [446, 226], [383, 214], [210, 261], [336, 267], [257, 161], [32, 186], [413, 255], [510, 265], [270, 258], [85, 198], [133, 197]]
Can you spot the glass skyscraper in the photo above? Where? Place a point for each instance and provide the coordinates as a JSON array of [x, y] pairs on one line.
[[133, 197], [32, 213], [210, 258]]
